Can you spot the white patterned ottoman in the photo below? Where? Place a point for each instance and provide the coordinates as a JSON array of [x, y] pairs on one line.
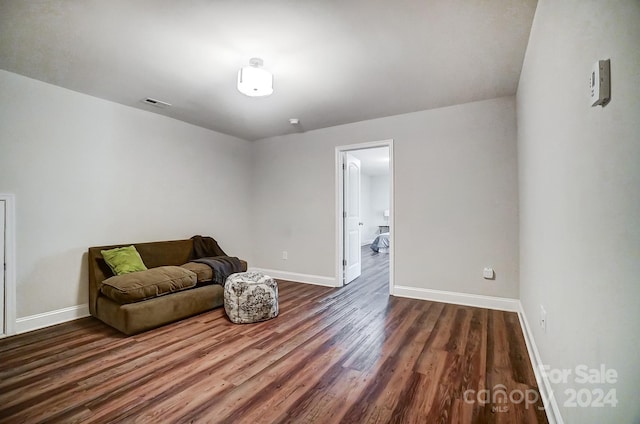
[[250, 297]]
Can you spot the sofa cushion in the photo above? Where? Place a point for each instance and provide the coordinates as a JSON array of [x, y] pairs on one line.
[[123, 260], [203, 271], [142, 285]]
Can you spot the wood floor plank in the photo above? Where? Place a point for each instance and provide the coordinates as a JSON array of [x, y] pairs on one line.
[[329, 399], [54, 333], [106, 376], [182, 402], [348, 355], [397, 368], [300, 366]]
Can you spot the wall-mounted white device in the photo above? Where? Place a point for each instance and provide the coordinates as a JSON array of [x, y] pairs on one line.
[[488, 274], [600, 83]]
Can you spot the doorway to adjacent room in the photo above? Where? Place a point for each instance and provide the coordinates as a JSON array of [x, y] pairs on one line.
[[364, 217]]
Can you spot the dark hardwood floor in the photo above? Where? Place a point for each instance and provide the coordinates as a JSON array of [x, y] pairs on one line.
[[352, 355]]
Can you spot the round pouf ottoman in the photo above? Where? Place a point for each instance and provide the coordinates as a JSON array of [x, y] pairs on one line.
[[250, 297]]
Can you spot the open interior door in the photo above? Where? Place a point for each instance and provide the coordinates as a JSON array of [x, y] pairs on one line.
[[352, 224]]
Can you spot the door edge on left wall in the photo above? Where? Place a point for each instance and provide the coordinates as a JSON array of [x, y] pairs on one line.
[[9, 241]]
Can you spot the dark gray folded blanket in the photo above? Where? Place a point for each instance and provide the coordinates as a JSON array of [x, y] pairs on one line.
[[206, 247], [222, 266]]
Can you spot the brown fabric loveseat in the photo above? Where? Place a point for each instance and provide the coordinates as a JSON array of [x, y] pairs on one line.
[[131, 317]]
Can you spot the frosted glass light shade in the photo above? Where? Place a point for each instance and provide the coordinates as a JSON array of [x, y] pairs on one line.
[[254, 81]]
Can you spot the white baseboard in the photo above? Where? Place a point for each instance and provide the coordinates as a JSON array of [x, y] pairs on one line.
[[544, 385], [477, 300], [300, 278], [35, 322]]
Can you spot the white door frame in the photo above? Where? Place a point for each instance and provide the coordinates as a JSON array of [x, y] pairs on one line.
[[340, 207], [10, 260]]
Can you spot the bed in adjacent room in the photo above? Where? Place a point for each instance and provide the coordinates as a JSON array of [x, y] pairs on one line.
[[381, 243]]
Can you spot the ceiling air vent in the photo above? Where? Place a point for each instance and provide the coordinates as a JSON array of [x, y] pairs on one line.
[[156, 103]]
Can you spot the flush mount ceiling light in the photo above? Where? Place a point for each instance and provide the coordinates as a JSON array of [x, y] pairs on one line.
[[254, 81]]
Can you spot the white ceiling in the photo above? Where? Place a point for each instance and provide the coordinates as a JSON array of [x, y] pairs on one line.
[[333, 61]]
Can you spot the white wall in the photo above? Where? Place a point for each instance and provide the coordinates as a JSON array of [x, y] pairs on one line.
[[369, 227], [88, 172], [374, 199], [455, 197], [580, 198], [380, 199]]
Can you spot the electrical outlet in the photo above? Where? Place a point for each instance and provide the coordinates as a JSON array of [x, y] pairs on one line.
[[543, 318], [285, 255], [488, 274]]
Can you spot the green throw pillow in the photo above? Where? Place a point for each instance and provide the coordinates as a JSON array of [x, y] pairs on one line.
[[123, 260]]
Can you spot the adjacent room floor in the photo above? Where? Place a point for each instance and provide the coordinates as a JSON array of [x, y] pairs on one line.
[[350, 355], [375, 269]]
